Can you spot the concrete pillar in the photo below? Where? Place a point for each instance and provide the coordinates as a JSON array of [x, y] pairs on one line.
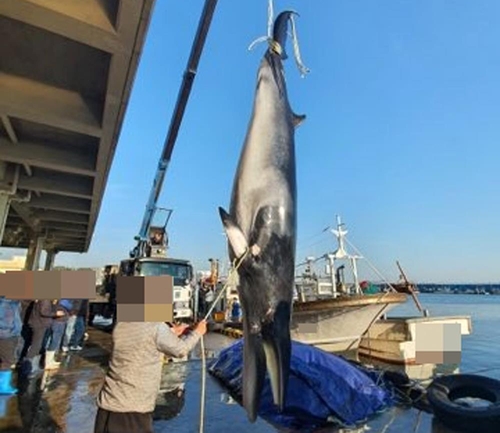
[[49, 260], [34, 252], [4, 212], [30, 255]]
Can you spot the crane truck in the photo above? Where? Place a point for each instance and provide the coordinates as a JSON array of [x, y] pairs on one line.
[[149, 256]]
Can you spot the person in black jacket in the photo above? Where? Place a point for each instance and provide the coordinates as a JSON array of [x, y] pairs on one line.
[[111, 290], [42, 314]]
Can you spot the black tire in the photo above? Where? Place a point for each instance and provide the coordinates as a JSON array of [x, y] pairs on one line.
[[444, 390]]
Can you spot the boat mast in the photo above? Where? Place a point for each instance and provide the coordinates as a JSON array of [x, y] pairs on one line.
[[341, 253], [331, 267]]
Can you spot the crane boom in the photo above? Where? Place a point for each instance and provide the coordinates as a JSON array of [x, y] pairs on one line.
[[180, 106]]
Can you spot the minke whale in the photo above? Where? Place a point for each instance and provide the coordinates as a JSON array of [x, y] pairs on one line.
[[261, 228]]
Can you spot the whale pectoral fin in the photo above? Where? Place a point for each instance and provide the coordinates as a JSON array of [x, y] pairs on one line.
[[234, 234], [298, 119]]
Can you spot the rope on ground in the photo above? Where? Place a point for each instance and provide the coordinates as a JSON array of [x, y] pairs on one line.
[[386, 427], [202, 345], [417, 422]]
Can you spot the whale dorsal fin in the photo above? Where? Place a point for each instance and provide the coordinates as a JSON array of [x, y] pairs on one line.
[[298, 119]]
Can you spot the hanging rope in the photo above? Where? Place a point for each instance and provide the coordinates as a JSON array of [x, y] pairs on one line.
[[269, 37], [202, 345], [296, 51], [203, 385], [270, 17]]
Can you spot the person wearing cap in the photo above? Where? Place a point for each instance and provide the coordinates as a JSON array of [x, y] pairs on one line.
[[128, 396]]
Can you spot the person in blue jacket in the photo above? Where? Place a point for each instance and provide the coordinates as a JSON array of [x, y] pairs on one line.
[[10, 331], [55, 333], [235, 311]]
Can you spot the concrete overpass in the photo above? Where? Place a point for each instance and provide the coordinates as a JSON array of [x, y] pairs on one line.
[[66, 72]]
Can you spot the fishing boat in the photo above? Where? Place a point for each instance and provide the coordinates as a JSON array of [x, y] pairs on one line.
[[394, 340], [404, 287], [331, 313]]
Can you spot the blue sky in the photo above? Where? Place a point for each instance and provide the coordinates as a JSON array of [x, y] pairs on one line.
[[401, 139]]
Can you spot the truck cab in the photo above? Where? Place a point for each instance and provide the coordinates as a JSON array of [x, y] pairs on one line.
[[180, 270]]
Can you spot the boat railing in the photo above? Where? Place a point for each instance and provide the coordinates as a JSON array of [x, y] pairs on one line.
[[309, 288]]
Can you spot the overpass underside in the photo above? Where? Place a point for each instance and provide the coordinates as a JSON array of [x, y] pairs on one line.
[[66, 72]]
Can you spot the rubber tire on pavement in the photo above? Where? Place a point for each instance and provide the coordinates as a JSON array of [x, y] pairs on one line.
[[444, 390]]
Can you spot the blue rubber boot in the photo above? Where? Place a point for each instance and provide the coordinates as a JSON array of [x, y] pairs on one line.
[[5, 382]]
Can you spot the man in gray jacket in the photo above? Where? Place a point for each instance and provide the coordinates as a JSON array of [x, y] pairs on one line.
[[128, 396]]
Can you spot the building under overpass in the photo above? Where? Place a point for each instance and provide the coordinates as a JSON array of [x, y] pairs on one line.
[[66, 72]]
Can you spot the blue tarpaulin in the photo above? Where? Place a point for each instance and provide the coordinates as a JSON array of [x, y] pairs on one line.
[[321, 387]]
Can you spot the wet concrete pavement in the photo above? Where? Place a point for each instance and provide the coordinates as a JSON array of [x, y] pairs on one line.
[[64, 400]]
